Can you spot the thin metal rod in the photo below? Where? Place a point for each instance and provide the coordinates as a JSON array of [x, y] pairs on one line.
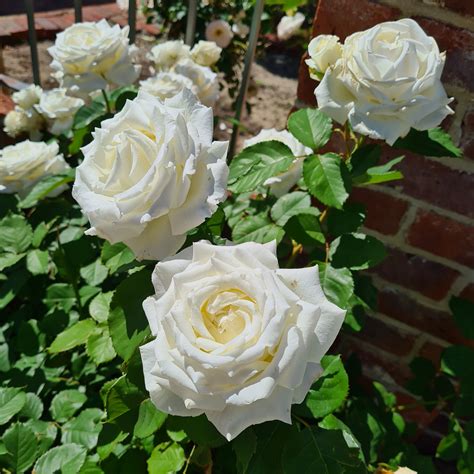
[[30, 15], [78, 11], [191, 22], [132, 20], [248, 60]]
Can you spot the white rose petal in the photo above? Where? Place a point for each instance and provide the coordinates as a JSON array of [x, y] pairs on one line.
[[236, 338], [167, 84], [89, 56], [166, 55], [240, 29], [220, 32], [324, 51], [281, 184], [289, 25], [27, 97], [58, 109], [152, 173], [16, 122], [386, 82], [24, 164], [404, 470], [206, 53], [206, 82]]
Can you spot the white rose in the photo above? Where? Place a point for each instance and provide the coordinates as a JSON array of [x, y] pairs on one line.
[[281, 184], [206, 82], [386, 82], [404, 470], [152, 173], [167, 84], [29, 96], [206, 53], [220, 32], [24, 164], [89, 56], [58, 109], [240, 29], [237, 338], [289, 25], [324, 51], [16, 122], [166, 55]]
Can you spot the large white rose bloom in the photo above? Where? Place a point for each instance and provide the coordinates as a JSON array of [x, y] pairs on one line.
[[152, 173], [236, 337], [324, 51], [166, 55], [289, 25], [206, 82], [220, 32], [89, 56], [206, 53], [24, 164], [167, 84], [58, 109], [386, 82], [29, 96], [281, 184]]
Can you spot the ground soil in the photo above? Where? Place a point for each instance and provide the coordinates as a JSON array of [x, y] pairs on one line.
[[270, 103]]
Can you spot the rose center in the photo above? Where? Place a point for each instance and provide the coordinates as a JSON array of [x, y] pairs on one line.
[[226, 313]]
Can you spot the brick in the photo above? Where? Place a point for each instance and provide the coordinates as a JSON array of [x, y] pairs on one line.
[[401, 307], [465, 7], [467, 134], [468, 292], [414, 412], [459, 46], [431, 181], [443, 236], [432, 351], [6, 104], [384, 212], [306, 85], [387, 337], [429, 278]]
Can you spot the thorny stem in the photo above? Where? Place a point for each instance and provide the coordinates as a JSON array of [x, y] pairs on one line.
[[297, 249], [106, 99]]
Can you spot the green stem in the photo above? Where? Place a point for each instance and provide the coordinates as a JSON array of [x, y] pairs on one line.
[[106, 99], [189, 459]]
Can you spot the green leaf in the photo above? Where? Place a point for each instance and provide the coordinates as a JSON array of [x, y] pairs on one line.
[[458, 361], [380, 174], [305, 228], [199, 430], [15, 234], [99, 345], [95, 273], [330, 422], [433, 142], [88, 113], [60, 295], [45, 433], [364, 158], [463, 312], [12, 401], [166, 458], [78, 140], [257, 228], [44, 187], [127, 321], [356, 251], [100, 306], [9, 259], [11, 287], [244, 447], [116, 255], [21, 444], [150, 419], [255, 164], [67, 458], [65, 404], [73, 336], [311, 127], [346, 220], [337, 283], [33, 407], [37, 262], [123, 97], [84, 429], [122, 397], [325, 177], [328, 392], [321, 451], [290, 205]]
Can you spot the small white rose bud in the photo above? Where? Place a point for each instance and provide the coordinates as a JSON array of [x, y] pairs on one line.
[[324, 51]]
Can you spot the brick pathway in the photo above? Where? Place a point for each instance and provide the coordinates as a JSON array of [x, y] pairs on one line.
[[14, 28]]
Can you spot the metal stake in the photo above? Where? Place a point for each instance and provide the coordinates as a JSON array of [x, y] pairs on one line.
[[191, 22], [30, 15], [78, 11], [132, 20]]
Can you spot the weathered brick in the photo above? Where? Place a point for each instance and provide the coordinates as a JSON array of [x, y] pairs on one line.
[[459, 46], [467, 134], [384, 212], [443, 236], [432, 351], [400, 306], [417, 273], [468, 292], [6, 104], [465, 7]]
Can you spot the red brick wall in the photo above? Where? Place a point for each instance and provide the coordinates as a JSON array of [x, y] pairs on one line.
[[427, 219]]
